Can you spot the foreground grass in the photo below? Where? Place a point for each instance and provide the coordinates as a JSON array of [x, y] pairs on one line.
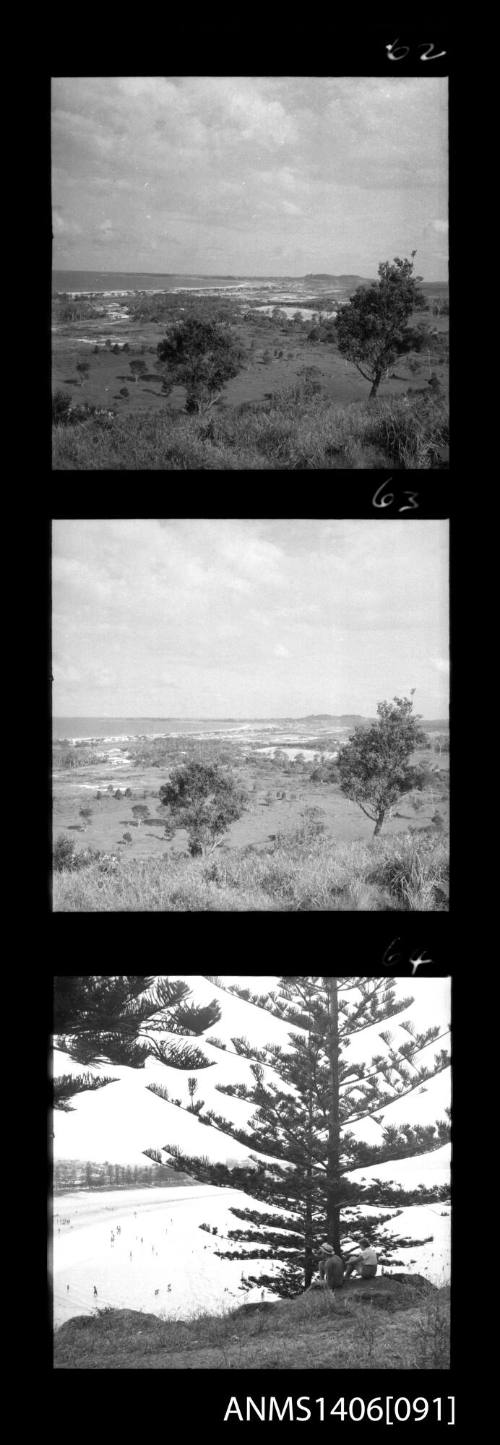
[[317, 1331], [405, 872], [297, 428]]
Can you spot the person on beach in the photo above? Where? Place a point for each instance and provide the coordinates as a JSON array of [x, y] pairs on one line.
[[365, 1263]]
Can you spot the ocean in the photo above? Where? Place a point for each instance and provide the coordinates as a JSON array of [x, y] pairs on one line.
[[143, 281], [123, 727]]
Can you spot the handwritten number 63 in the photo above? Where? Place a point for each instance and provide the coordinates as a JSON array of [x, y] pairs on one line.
[[387, 498]]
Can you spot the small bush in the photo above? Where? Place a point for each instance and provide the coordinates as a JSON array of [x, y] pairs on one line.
[[61, 408], [63, 853]]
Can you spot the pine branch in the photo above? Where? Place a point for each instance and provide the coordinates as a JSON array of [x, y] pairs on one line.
[[67, 1085]]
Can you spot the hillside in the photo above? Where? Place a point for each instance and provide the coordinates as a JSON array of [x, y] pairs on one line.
[[411, 1331], [339, 281], [166, 1247]]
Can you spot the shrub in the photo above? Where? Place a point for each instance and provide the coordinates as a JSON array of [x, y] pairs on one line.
[[63, 853], [61, 408]]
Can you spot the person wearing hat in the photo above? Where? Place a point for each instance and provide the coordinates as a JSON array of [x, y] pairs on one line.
[[331, 1268]]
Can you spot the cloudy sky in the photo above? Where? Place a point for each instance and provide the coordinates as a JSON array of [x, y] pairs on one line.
[[249, 175], [248, 618]]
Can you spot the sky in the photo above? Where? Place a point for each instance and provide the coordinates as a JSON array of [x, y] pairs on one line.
[[248, 618], [249, 175]]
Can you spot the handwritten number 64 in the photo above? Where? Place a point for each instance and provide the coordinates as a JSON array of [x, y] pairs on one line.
[[385, 499]]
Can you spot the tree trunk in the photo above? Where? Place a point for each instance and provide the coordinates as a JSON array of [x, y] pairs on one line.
[[380, 819], [375, 386], [308, 1218], [333, 1151]]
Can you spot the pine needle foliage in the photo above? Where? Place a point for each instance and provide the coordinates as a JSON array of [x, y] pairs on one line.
[[124, 1019]]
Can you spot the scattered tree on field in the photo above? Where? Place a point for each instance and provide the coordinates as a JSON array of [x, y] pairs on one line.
[[202, 356], [141, 812], [138, 369], [308, 1099], [373, 767], [83, 369], [372, 328], [204, 799]]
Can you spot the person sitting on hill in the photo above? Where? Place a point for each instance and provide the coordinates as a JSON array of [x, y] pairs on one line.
[[331, 1267], [365, 1263]]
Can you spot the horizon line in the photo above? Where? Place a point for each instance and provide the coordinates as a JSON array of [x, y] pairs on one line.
[[251, 275], [214, 717]]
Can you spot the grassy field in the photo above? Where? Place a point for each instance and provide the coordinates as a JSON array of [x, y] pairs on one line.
[[315, 1331], [270, 416], [300, 844]]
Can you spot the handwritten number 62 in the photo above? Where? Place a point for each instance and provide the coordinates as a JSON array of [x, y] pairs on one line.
[[404, 50]]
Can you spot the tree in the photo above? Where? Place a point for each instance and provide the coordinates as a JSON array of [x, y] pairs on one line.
[[308, 1101], [204, 799], [373, 767], [118, 1019], [83, 369], [372, 330], [202, 356], [141, 812], [138, 369]]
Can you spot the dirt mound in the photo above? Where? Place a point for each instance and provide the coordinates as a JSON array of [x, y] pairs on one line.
[[391, 1292], [121, 1321]]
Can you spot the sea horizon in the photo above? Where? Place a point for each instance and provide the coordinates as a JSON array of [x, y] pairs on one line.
[[103, 726]]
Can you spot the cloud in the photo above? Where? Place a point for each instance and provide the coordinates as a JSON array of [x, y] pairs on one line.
[[247, 616], [248, 173], [441, 664]]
